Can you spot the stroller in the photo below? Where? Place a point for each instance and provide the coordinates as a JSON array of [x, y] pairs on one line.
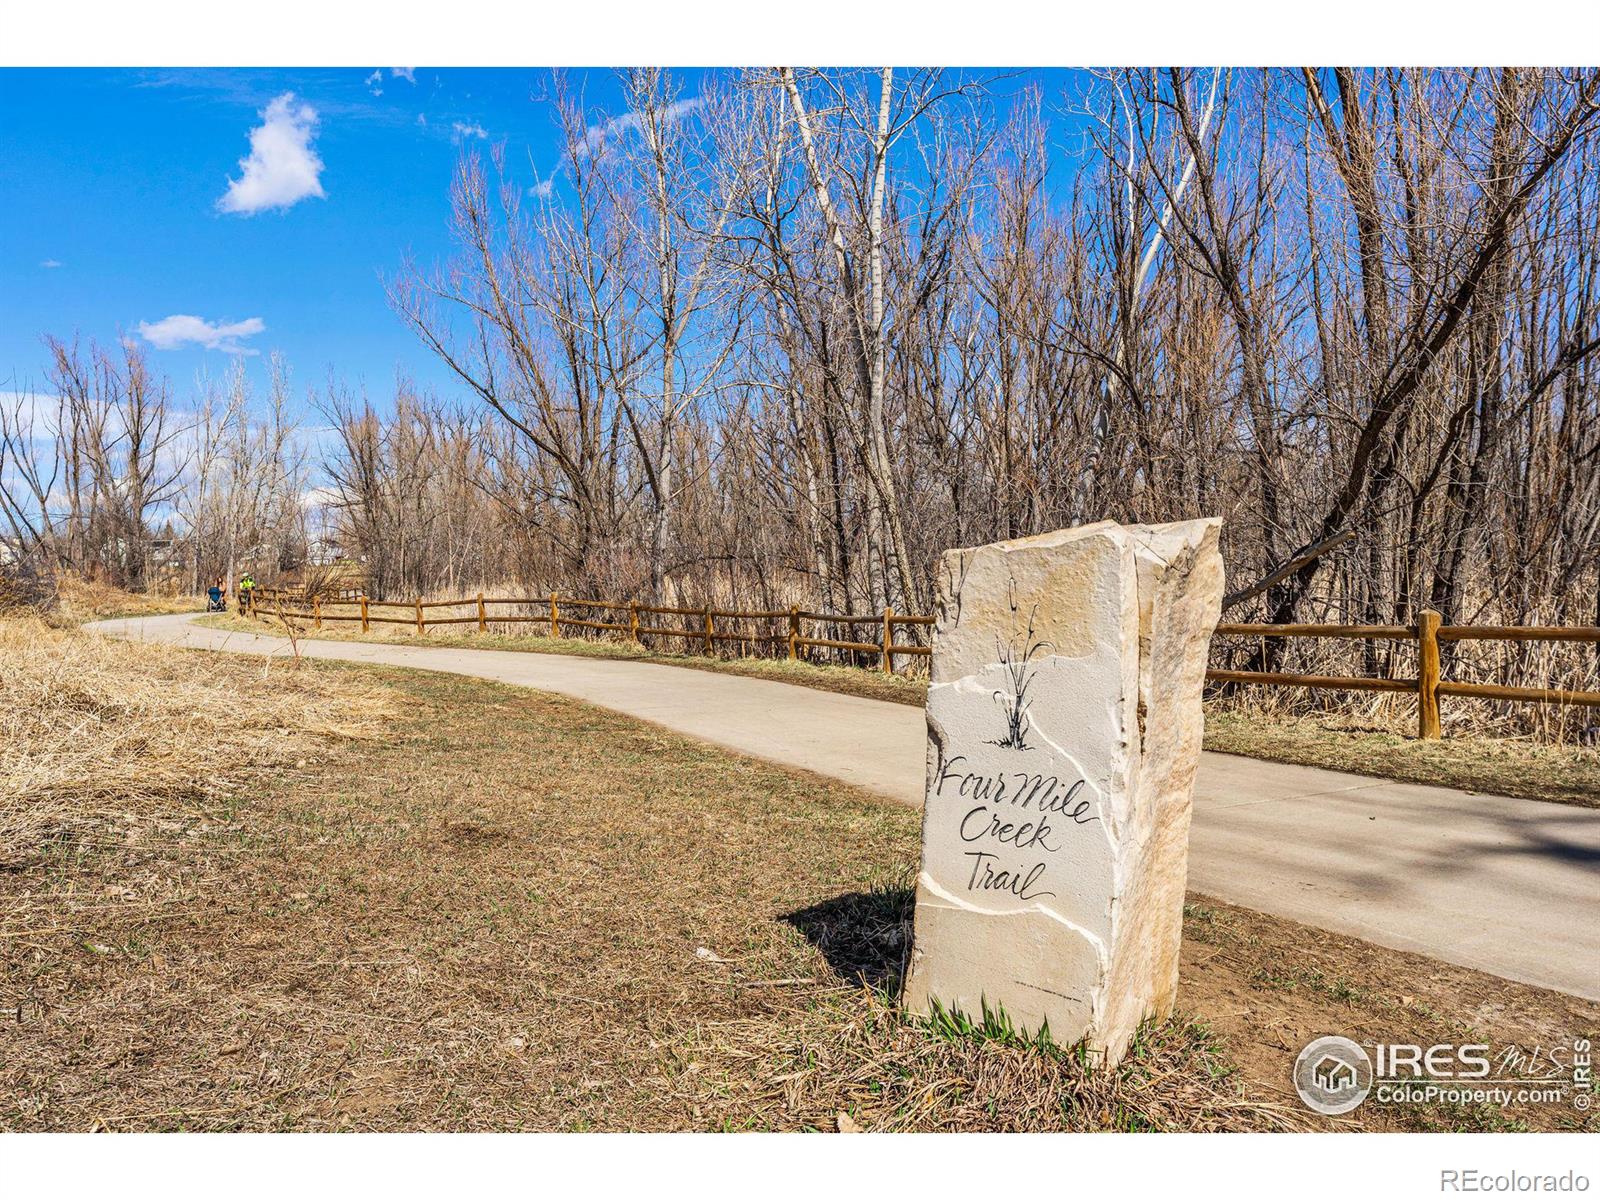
[[215, 601]]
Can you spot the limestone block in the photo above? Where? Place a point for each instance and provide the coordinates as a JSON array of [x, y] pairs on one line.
[[1064, 730]]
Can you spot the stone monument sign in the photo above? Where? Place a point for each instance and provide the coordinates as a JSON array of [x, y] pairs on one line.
[[1064, 732]]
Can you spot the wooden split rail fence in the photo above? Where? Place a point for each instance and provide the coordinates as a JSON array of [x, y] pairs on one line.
[[1427, 633], [556, 614], [1428, 687]]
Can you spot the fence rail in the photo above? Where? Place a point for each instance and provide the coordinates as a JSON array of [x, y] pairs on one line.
[[1427, 633], [557, 614], [1428, 687]]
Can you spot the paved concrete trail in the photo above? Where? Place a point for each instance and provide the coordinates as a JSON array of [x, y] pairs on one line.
[[1507, 886]]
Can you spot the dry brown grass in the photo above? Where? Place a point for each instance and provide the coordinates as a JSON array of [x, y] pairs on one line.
[[856, 1059], [1383, 744], [512, 911], [96, 734], [89, 600], [1571, 665]]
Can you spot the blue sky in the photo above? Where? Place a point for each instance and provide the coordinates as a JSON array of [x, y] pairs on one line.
[[117, 177], [130, 212]]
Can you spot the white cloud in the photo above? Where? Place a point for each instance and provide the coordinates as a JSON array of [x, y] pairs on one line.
[[596, 136], [282, 168], [30, 410], [597, 139], [374, 82], [50, 264], [422, 118], [472, 130], [179, 330], [409, 74]]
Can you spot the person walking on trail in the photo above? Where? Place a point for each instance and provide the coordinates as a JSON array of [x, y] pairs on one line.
[[247, 587]]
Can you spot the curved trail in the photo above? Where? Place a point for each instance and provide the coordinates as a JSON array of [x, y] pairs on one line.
[[1502, 885]]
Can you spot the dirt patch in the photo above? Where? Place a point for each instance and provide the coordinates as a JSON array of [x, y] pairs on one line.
[[511, 911], [1269, 986]]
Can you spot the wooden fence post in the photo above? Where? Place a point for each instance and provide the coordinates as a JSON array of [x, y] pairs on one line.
[[419, 618], [483, 617], [316, 612], [706, 612], [794, 631], [555, 617], [1428, 675], [888, 655], [633, 621], [365, 624]]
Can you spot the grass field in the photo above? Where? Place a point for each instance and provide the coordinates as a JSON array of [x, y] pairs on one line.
[[479, 907], [1360, 743], [85, 600]]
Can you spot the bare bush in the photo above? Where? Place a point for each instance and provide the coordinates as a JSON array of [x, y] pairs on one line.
[[27, 584]]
